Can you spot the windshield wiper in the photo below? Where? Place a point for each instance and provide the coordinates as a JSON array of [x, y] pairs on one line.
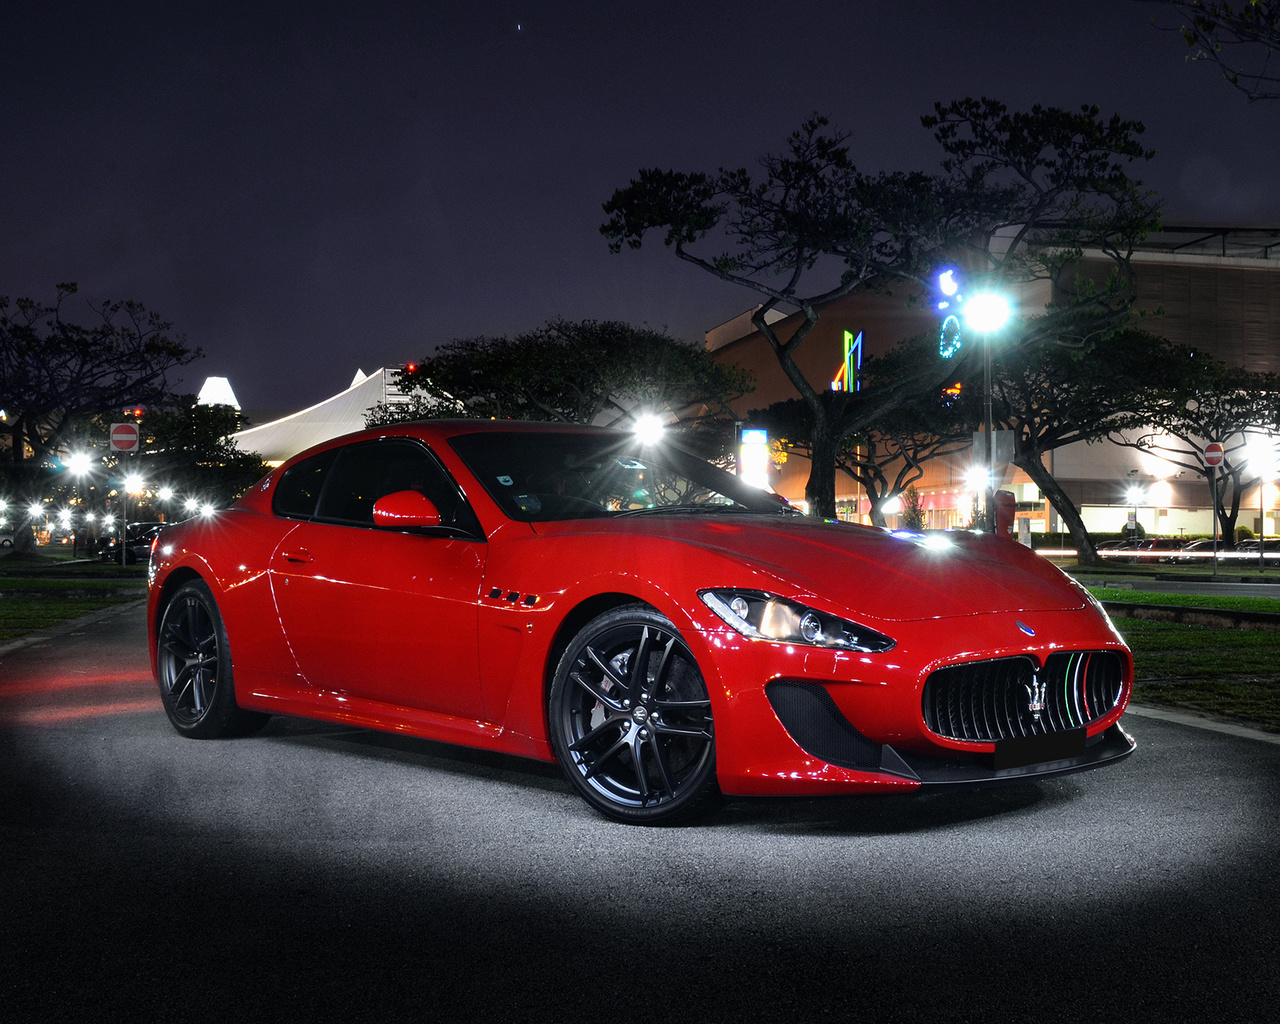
[[654, 509]]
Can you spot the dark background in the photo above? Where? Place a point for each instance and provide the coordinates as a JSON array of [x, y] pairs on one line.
[[309, 188]]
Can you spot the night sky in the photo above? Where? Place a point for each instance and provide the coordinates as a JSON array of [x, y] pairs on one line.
[[305, 189]]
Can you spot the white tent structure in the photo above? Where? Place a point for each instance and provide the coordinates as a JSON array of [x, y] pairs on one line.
[[344, 412]]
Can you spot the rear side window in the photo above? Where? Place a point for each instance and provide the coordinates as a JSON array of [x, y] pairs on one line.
[[298, 491]]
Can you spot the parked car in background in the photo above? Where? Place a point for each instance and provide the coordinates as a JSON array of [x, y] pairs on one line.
[[1197, 552], [137, 545]]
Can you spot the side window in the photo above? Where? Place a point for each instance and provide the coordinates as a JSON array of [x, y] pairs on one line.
[[299, 489], [366, 472]]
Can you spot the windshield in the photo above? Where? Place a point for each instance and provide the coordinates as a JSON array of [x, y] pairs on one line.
[[540, 477]]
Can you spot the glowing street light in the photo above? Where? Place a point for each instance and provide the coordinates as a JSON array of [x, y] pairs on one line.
[[649, 428], [1260, 454], [987, 313]]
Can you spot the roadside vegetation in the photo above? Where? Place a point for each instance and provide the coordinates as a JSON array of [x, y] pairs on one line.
[[1229, 673], [41, 590]]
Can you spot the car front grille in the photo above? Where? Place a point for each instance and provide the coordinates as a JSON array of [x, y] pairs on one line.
[[986, 701]]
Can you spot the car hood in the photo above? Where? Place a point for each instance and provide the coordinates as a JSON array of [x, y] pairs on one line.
[[893, 576]]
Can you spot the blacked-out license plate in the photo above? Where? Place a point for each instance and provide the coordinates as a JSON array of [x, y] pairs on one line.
[[1053, 746]]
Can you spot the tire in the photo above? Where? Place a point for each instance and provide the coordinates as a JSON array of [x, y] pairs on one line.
[[194, 667], [630, 720]]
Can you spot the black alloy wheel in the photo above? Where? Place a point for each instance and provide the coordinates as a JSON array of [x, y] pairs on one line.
[[194, 662], [631, 720]]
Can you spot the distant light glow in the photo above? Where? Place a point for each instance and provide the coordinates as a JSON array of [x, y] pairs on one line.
[[649, 428], [79, 463], [133, 483], [987, 312], [35, 510], [947, 282], [753, 458], [165, 493]]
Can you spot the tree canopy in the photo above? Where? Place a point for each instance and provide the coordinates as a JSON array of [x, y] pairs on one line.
[[586, 371], [1241, 37], [56, 374], [811, 228], [1203, 400]]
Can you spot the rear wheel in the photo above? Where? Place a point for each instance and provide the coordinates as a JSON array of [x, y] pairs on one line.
[[194, 661], [631, 720]]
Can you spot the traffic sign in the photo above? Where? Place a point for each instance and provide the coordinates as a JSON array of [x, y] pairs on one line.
[[124, 437], [1213, 453]]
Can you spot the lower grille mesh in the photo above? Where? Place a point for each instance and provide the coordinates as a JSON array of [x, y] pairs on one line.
[[995, 700]]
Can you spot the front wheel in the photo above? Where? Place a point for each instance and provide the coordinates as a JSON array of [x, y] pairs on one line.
[[194, 662], [630, 719]]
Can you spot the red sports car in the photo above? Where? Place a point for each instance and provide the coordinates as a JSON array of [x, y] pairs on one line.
[[664, 632]]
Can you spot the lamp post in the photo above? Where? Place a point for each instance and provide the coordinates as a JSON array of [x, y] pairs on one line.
[[1134, 496], [987, 313], [1261, 457], [78, 464], [132, 485]]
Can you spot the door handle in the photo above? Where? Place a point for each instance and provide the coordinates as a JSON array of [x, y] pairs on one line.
[[299, 557]]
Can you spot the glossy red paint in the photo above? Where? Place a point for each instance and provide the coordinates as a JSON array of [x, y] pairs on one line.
[[455, 636]]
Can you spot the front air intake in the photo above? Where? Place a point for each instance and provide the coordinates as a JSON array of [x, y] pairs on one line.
[[984, 701]]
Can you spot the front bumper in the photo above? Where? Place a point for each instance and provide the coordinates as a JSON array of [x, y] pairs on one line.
[[812, 719]]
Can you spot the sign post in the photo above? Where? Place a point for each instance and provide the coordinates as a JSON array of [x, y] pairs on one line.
[[1214, 453], [124, 438]]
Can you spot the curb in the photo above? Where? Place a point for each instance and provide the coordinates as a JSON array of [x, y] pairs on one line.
[[1248, 732], [1194, 616]]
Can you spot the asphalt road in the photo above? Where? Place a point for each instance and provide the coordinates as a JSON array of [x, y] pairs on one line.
[[315, 873]]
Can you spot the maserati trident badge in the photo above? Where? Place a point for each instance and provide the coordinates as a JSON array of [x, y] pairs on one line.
[[1035, 696]]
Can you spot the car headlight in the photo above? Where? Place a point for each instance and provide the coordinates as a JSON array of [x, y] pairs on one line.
[[762, 616]]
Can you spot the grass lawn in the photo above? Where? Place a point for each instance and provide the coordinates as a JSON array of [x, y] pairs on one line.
[[30, 613], [43, 589], [1229, 603], [1234, 673]]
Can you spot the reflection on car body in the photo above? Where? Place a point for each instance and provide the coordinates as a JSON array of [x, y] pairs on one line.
[[664, 632]]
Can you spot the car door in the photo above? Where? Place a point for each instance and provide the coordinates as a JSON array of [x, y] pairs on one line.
[[379, 614]]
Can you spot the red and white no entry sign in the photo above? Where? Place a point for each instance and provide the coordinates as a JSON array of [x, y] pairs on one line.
[[1213, 453], [124, 437]]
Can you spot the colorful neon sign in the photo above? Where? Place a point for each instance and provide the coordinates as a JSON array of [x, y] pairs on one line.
[[851, 369]]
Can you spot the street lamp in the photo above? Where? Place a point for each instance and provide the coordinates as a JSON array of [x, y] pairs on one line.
[[1261, 457], [1134, 496], [133, 484], [987, 313], [78, 464]]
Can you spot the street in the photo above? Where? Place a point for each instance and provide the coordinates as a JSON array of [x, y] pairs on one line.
[[318, 873]]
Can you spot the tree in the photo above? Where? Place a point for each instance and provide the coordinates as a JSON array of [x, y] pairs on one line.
[[1052, 395], [888, 455], [913, 514], [56, 374], [1215, 402], [570, 372], [189, 447], [1049, 182], [1242, 38], [812, 211]]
